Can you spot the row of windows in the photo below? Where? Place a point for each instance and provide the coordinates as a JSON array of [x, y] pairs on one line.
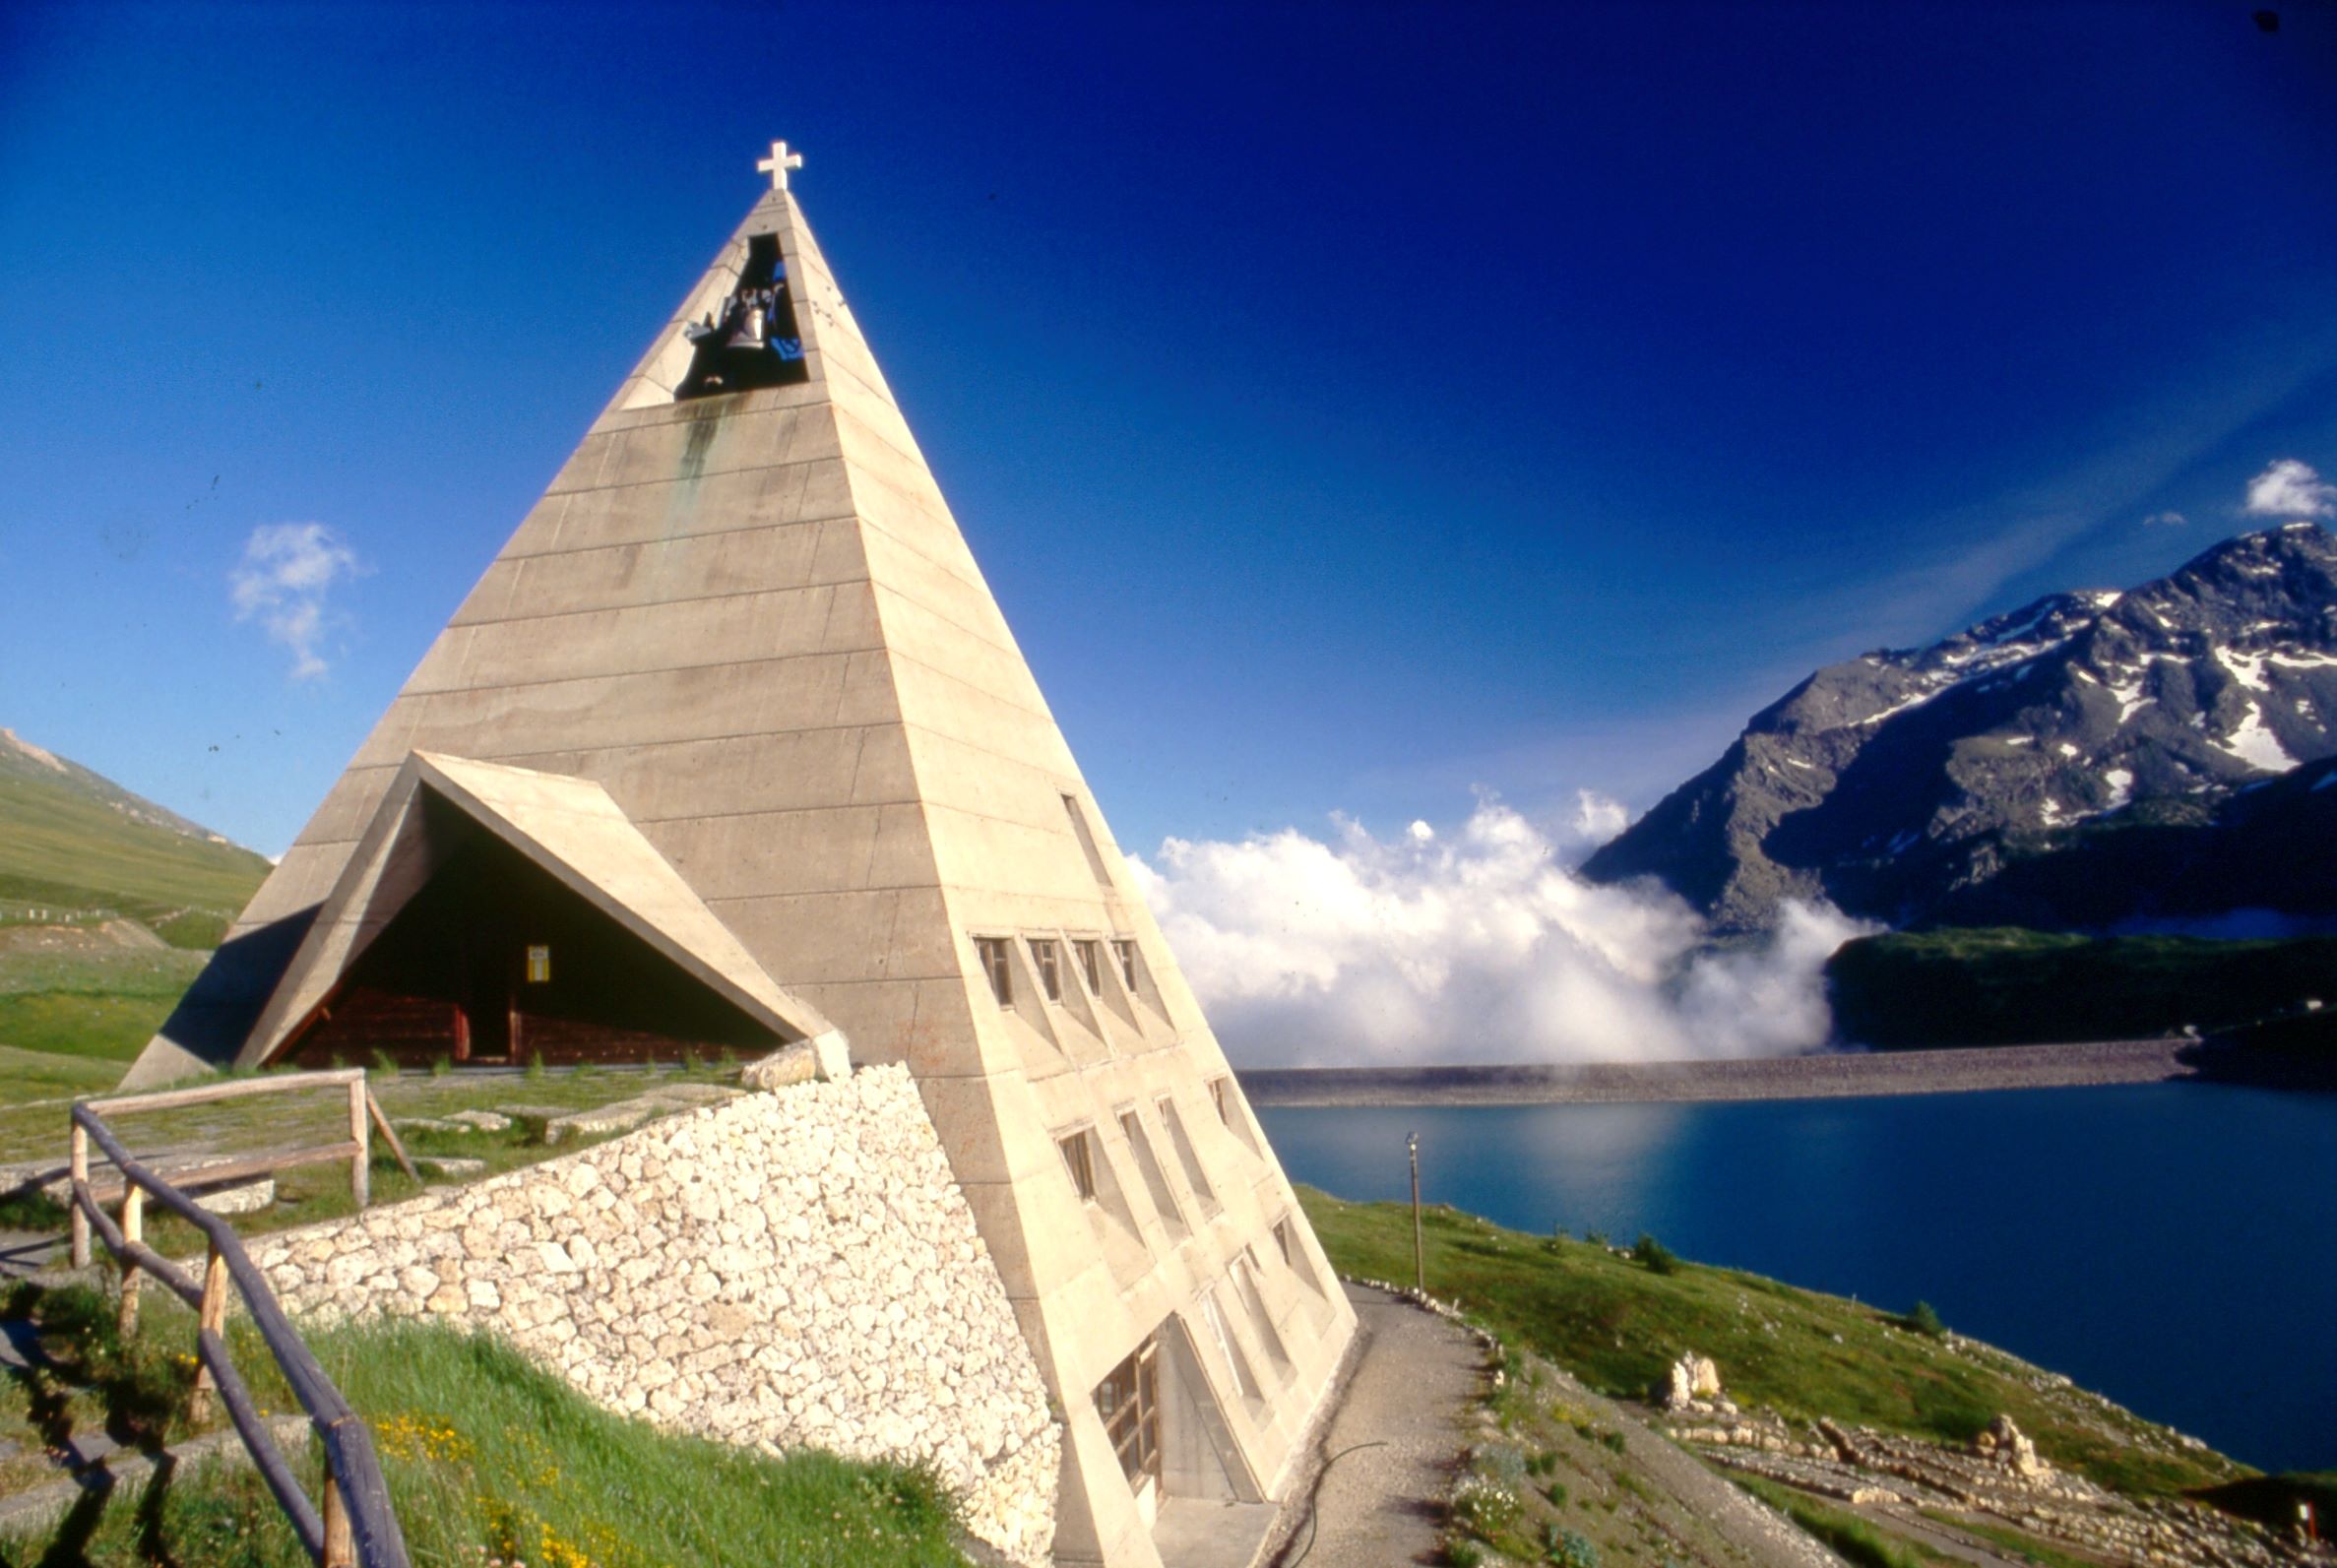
[[1079, 1158], [1079, 1154], [1046, 958], [1128, 1399]]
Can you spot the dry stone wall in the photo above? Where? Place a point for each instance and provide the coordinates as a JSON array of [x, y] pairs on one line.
[[786, 1269]]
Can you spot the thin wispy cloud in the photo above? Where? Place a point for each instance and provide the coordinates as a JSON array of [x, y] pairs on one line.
[[2289, 488], [1596, 818], [1475, 946], [285, 582], [2165, 520]]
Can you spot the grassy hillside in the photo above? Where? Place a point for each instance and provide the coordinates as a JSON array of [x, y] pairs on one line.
[[75, 845], [1618, 1324], [81, 860], [2009, 986], [487, 1458]]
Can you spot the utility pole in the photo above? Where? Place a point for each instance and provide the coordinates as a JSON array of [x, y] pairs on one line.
[[1420, 1263]]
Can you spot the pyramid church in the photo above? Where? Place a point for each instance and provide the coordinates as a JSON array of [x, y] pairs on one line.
[[731, 750]]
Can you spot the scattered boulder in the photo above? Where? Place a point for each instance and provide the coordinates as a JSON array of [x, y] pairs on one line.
[[448, 1165], [2009, 1447], [1692, 1380], [789, 1065], [480, 1120], [826, 1057], [249, 1198], [552, 1124]]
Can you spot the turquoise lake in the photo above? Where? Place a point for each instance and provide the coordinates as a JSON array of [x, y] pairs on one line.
[[2170, 1245]]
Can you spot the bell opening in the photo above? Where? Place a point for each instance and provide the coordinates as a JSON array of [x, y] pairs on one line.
[[753, 339]]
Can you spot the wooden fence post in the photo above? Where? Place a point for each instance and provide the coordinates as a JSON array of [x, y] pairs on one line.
[[360, 1133], [341, 1541], [213, 1317], [79, 1168], [133, 1229], [388, 1134]]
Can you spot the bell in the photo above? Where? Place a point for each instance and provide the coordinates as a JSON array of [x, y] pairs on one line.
[[749, 332]]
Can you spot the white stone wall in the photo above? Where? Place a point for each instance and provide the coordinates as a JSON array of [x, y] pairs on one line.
[[786, 1269]]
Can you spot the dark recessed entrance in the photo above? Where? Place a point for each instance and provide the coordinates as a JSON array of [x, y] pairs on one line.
[[496, 961]]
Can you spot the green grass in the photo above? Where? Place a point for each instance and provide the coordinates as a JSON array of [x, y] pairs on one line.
[[486, 1455], [102, 1004], [1617, 1325], [1852, 1537], [2004, 985], [27, 1075]]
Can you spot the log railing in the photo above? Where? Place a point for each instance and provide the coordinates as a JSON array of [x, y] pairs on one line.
[[355, 1528]]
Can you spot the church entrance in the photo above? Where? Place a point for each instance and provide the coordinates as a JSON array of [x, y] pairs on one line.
[[495, 961]]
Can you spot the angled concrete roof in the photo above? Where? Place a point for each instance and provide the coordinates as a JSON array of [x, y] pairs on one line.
[[568, 827]]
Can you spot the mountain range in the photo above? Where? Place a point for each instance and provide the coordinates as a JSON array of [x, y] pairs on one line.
[[2163, 758]]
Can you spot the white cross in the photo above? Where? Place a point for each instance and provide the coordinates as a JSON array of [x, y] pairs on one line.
[[778, 165]]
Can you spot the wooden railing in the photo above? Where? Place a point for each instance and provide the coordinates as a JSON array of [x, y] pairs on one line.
[[355, 1528]]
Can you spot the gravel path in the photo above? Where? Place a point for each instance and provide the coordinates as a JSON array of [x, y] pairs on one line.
[[1415, 1391]]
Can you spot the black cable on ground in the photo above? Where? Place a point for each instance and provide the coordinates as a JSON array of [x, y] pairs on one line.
[[1314, 1495]]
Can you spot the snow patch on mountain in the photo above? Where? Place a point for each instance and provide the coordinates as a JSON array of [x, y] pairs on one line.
[[2256, 745]]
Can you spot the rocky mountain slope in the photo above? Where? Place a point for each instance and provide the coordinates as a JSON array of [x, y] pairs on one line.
[[2097, 760]]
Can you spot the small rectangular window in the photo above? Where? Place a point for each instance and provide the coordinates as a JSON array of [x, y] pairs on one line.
[[1235, 1363], [1090, 963], [540, 963], [1294, 1256], [998, 965], [1244, 1271], [1228, 1110], [1185, 1153], [1148, 1164], [1125, 951], [1079, 1156], [1049, 956]]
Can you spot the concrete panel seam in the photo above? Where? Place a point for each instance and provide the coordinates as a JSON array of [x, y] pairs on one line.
[[632, 673], [698, 533], [660, 603], [978, 690]]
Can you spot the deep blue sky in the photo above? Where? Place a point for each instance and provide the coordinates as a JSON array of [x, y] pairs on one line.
[[1349, 405]]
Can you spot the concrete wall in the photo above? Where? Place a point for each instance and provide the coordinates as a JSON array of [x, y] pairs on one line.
[[786, 1269]]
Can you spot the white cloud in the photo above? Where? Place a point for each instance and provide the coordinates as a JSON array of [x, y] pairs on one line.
[[1596, 818], [286, 573], [1477, 947], [2288, 488], [2172, 520]]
